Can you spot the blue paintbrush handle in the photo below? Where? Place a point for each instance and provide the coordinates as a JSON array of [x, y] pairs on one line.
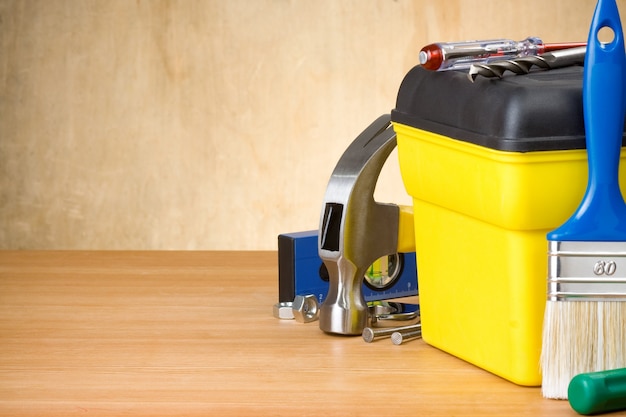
[[602, 213]]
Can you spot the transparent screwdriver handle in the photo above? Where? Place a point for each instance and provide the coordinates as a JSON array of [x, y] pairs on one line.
[[459, 55]]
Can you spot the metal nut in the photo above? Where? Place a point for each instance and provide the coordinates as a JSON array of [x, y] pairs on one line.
[[283, 310], [305, 308]]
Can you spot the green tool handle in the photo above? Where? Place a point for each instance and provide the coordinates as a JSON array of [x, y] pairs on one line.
[[598, 392]]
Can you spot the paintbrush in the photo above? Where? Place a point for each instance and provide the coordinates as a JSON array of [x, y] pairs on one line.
[[585, 313]]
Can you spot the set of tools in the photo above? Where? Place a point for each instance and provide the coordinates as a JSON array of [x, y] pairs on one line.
[[397, 321], [492, 58], [586, 253], [355, 232]]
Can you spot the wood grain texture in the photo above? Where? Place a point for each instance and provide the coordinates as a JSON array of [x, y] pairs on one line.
[[209, 124], [192, 333]]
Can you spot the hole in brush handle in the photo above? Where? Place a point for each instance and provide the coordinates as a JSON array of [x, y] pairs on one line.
[[606, 36]]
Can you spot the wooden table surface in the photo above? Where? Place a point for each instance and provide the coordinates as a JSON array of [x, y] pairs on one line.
[[192, 333]]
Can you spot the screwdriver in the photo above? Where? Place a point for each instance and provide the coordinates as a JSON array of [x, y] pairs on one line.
[[443, 56]]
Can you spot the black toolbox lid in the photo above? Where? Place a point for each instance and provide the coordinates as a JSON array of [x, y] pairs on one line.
[[538, 111]]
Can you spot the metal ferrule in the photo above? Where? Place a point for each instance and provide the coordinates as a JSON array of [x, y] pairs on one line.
[[586, 271]]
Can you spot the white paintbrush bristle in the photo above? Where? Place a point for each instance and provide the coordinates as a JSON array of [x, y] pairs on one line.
[[578, 337]]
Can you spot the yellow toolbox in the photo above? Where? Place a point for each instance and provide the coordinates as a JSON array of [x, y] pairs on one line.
[[492, 166]]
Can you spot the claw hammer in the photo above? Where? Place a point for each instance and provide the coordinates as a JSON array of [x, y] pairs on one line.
[[355, 230]]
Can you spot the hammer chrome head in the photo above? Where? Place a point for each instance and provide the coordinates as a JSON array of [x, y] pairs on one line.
[[355, 230]]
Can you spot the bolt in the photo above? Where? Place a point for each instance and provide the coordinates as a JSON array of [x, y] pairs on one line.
[[397, 338], [370, 334], [305, 308], [283, 310]]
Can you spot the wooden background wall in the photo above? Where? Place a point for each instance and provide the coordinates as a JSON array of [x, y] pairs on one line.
[[155, 124]]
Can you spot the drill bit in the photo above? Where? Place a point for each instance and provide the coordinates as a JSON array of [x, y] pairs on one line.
[[546, 61]]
